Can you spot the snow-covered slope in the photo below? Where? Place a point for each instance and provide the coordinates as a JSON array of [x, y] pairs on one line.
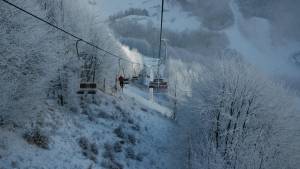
[[113, 132]]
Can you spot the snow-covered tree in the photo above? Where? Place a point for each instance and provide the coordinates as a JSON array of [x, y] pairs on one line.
[[234, 117], [38, 62]]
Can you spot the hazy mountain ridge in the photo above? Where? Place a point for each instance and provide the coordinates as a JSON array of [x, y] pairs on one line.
[[263, 28]]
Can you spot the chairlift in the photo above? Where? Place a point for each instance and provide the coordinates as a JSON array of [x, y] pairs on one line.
[[87, 87], [126, 81], [158, 83], [135, 76], [122, 71]]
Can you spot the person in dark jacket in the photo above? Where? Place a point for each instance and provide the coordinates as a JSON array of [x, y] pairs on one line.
[[121, 81]]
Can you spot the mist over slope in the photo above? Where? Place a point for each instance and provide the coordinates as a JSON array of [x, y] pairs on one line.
[[257, 39], [267, 28]]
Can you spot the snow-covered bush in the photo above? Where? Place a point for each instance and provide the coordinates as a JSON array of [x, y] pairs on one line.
[[118, 147], [35, 137], [119, 133], [89, 150], [109, 161]]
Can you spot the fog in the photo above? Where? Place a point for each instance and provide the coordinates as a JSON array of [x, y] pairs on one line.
[[267, 31]]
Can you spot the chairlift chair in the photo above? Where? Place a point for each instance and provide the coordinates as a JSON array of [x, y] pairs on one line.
[[126, 81], [158, 83], [134, 78], [87, 87]]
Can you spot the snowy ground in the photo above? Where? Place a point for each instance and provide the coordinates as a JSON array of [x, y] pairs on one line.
[[142, 98], [117, 132]]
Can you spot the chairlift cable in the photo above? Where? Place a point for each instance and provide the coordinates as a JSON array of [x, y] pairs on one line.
[[85, 41]]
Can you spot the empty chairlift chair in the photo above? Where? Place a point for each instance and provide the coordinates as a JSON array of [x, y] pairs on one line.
[[126, 81], [158, 84], [87, 70], [135, 76], [87, 87]]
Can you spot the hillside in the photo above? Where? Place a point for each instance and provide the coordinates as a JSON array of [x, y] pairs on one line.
[[111, 132]]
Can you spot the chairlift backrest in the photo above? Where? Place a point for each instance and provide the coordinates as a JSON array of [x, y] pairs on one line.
[[158, 84], [88, 85], [158, 80], [135, 78]]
